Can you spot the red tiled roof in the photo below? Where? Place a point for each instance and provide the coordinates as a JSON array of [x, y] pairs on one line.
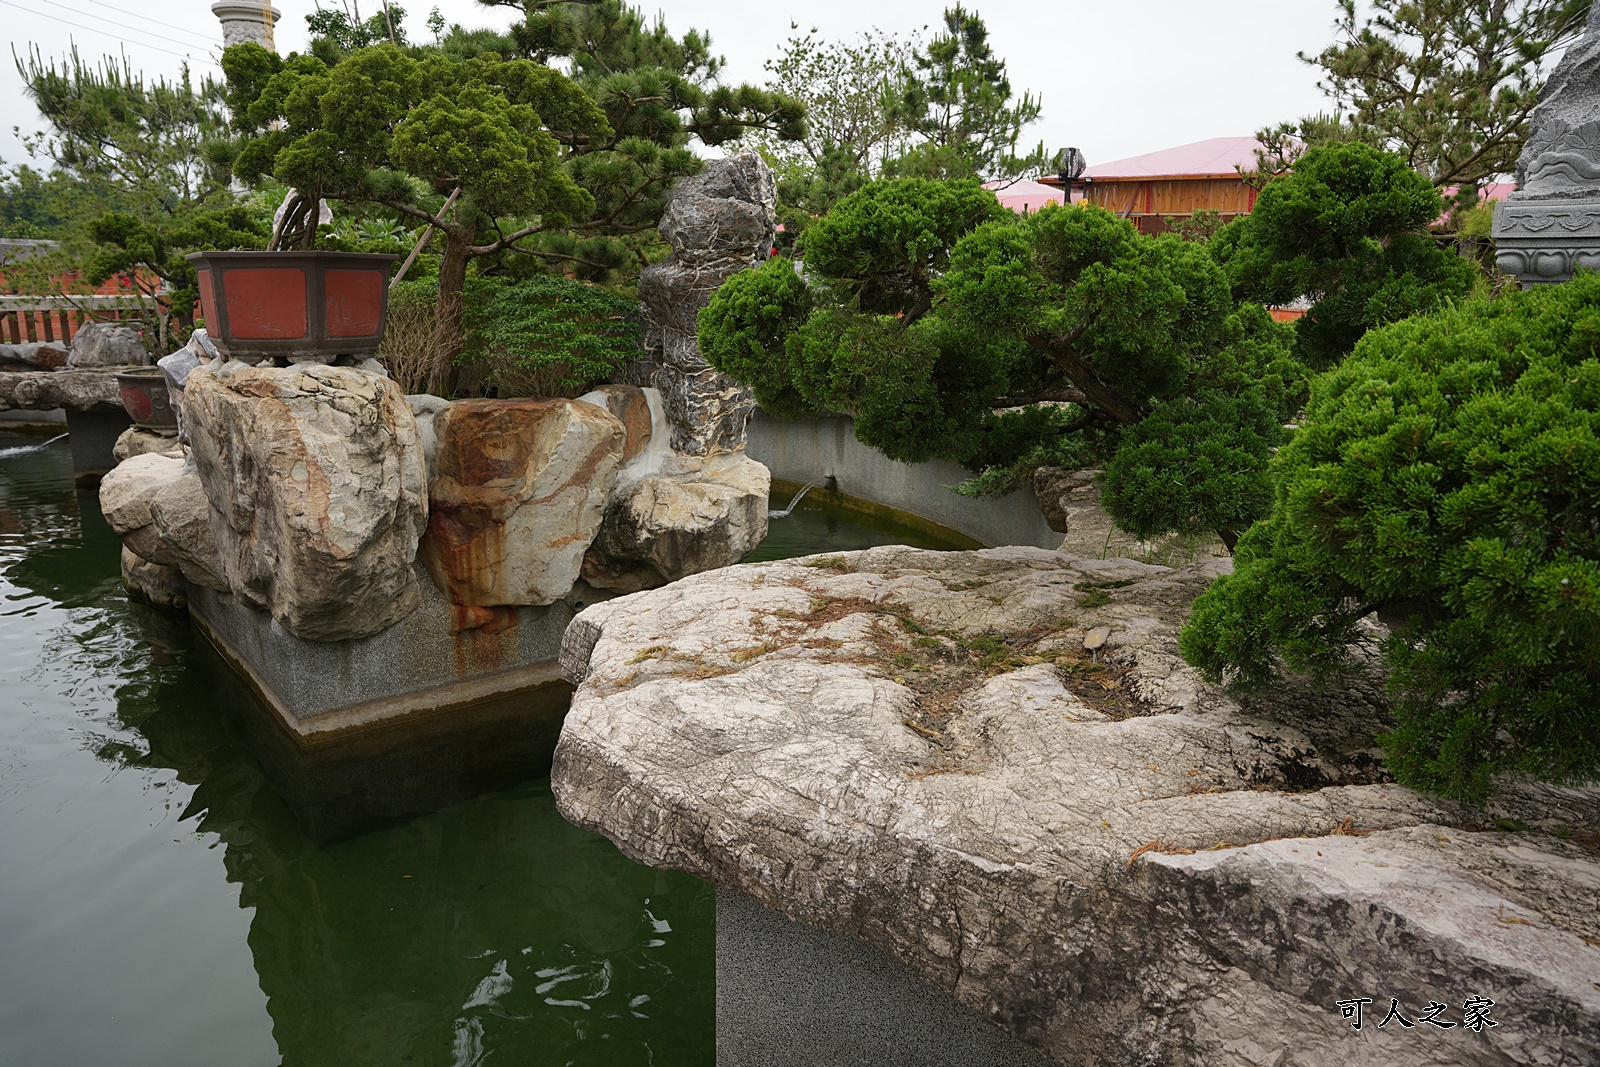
[[1217, 157]]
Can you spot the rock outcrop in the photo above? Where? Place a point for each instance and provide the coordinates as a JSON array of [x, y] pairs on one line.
[[156, 504], [40, 355], [518, 491], [316, 478], [995, 766], [75, 390], [693, 516], [1072, 505], [718, 222], [107, 344], [137, 441], [632, 408], [152, 583]]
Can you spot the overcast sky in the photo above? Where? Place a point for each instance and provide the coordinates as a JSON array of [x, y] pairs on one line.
[[1117, 79]]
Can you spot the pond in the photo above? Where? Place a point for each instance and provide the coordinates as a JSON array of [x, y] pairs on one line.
[[160, 904]]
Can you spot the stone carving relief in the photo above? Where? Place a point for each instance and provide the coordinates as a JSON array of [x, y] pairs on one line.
[[1550, 227], [1564, 161]]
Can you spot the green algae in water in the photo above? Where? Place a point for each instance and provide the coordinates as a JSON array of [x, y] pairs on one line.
[[160, 905]]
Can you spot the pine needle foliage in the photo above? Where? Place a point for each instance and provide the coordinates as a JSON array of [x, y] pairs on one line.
[[1446, 476]]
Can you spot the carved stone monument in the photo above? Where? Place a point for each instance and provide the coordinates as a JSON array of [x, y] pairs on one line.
[[246, 20], [1550, 226]]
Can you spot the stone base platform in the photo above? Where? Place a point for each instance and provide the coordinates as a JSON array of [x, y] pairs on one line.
[[428, 665]]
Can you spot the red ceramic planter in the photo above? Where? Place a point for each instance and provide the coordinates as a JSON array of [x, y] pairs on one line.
[[146, 400], [304, 305]]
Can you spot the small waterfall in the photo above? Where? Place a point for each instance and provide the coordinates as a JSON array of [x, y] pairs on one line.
[[27, 450], [784, 514]]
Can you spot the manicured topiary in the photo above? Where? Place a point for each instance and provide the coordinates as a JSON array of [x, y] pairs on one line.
[[949, 328], [1447, 476], [1348, 229]]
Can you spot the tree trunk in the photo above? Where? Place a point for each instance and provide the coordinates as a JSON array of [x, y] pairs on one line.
[[1229, 539], [449, 330], [1083, 376]]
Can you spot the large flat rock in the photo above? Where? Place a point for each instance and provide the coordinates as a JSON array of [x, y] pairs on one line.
[[1094, 850], [47, 390]]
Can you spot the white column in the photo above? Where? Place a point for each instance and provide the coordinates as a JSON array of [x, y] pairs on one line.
[[246, 20]]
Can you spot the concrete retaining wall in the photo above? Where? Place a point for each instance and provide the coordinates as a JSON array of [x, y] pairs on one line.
[[815, 450], [418, 667]]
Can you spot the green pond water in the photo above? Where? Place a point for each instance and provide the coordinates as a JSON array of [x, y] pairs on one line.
[[159, 904]]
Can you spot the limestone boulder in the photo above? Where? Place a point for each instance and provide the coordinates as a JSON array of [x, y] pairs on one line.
[[136, 441], [694, 516], [1091, 848], [152, 583], [518, 492], [156, 504], [718, 222], [1072, 505], [75, 390], [425, 408], [43, 355], [107, 344], [316, 478]]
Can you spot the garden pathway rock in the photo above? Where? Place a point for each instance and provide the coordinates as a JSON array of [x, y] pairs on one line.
[[518, 492], [1113, 860], [693, 516], [316, 479], [718, 222]]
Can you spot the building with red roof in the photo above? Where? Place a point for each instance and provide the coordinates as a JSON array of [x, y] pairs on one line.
[[1173, 183]]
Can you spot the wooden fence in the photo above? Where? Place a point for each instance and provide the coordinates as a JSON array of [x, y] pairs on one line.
[[25, 319]]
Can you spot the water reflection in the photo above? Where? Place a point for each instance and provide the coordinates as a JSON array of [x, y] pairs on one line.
[[491, 931]]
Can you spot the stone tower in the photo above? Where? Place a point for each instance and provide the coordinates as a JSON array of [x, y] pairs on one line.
[[246, 20], [1551, 225]]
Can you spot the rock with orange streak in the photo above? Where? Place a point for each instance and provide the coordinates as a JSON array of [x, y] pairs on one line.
[[519, 489]]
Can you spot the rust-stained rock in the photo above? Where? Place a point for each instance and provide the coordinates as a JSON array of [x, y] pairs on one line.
[[629, 404], [518, 490], [316, 478]]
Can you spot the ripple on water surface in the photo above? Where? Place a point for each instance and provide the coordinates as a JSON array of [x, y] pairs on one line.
[[159, 904]]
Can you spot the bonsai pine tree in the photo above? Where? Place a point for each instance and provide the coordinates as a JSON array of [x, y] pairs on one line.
[[385, 127], [573, 171], [1347, 227], [1446, 476], [948, 327]]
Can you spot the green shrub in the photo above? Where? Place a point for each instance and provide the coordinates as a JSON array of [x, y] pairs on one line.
[[1447, 475], [549, 336]]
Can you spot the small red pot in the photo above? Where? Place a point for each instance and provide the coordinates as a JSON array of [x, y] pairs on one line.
[[304, 305], [146, 399]]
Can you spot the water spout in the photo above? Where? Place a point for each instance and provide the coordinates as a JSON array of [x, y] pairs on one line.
[[28, 450], [784, 514]]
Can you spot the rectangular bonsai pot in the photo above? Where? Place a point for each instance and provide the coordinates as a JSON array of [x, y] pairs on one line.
[[310, 305]]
